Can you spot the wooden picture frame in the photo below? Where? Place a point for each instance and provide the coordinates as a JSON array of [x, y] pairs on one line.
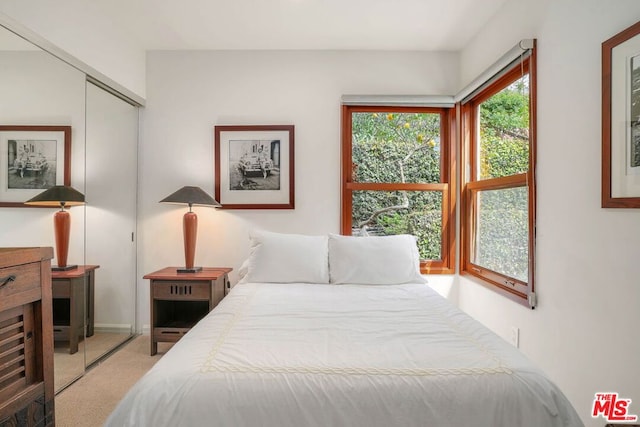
[[254, 166], [32, 159], [621, 119]]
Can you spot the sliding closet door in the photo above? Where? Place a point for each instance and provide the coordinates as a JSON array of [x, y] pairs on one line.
[[111, 183], [38, 89]]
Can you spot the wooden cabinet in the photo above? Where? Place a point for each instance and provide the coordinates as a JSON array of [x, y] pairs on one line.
[[26, 337], [180, 300]]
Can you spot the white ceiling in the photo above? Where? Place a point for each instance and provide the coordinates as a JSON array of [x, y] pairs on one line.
[[432, 25]]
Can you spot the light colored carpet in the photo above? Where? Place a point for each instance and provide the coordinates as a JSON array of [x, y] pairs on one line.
[[89, 401], [68, 367]]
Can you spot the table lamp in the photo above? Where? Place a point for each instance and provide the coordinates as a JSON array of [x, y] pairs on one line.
[[63, 196], [190, 196]]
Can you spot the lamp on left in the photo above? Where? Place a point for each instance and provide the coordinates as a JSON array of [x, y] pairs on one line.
[[62, 196]]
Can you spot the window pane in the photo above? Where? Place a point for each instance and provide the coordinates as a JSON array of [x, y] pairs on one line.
[[502, 229], [504, 132], [383, 213], [396, 147]]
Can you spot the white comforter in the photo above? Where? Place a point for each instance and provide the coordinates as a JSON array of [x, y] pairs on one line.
[[342, 355]]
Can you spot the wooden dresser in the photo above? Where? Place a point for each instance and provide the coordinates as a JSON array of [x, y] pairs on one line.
[[26, 337]]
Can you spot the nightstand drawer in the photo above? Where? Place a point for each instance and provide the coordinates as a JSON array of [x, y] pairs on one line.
[[61, 332], [181, 290], [60, 288], [169, 334]]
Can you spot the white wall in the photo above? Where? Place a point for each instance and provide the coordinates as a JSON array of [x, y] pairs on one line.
[[190, 92], [584, 333], [78, 28]]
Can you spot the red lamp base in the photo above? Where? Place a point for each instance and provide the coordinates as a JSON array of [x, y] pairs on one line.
[[190, 230], [62, 228]]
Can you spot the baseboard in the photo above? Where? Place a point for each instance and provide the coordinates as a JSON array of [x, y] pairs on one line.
[[113, 328]]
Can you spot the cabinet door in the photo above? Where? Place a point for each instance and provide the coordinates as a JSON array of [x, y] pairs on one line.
[[17, 351], [22, 395]]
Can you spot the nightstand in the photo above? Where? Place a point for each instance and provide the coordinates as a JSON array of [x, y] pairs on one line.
[[179, 300], [70, 297]]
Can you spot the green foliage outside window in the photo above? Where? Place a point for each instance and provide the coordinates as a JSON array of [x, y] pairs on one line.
[[502, 232], [421, 218], [405, 148], [502, 238], [504, 132], [398, 148]]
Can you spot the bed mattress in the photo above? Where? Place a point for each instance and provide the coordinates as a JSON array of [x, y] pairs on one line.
[[275, 354]]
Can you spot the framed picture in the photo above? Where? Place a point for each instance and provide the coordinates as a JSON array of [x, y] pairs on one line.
[[621, 119], [254, 166], [32, 159]]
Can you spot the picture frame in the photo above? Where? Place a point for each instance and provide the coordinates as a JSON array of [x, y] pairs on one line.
[[254, 166], [32, 159], [621, 119]]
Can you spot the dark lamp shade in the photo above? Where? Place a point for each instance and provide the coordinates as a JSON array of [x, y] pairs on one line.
[[56, 196], [190, 196]]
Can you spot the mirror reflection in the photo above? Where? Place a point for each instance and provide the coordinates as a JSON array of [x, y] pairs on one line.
[[94, 303], [39, 89], [111, 181]]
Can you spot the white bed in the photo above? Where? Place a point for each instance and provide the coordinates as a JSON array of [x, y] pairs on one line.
[[327, 354]]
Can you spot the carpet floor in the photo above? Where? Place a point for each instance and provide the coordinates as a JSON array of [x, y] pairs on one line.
[[68, 367], [89, 401]]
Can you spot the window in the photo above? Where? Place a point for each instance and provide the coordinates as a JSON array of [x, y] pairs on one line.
[[498, 193], [396, 178]]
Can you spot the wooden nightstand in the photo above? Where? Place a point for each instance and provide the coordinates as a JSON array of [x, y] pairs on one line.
[[180, 300], [70, 296]]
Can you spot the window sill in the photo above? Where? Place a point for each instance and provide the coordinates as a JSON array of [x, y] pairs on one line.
[[498, 288]]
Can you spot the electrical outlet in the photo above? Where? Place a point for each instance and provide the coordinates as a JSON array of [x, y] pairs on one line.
[[515, 336]]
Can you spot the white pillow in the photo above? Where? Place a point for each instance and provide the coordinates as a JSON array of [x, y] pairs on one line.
[[242, 271], [287, 258], [383, 260]]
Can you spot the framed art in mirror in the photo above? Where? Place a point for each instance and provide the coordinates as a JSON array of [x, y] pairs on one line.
[[32, 159], [254, 166], [621, 119]]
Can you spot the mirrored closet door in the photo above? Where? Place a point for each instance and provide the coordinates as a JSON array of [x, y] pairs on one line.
[[111, 182], [38, 89]]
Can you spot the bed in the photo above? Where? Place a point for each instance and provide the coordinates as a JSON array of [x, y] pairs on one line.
[[335, 353]]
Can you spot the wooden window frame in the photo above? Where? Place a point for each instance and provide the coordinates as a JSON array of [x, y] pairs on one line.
[[446, 186], [517, 290]]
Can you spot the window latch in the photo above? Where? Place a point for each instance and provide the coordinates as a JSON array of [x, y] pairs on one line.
[[532, 300]]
